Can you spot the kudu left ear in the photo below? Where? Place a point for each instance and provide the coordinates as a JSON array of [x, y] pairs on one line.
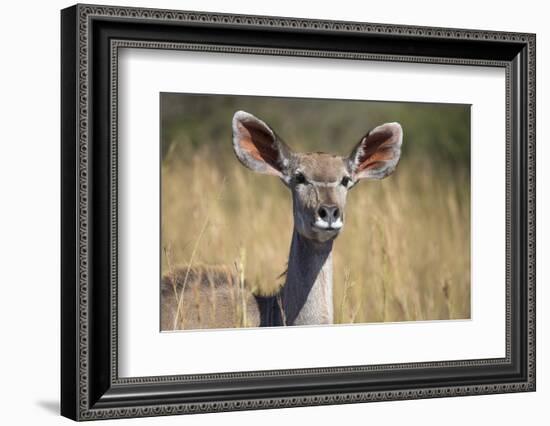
[[258, 147], [378, 153]]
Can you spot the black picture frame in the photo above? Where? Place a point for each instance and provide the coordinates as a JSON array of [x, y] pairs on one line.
[[90, 386]]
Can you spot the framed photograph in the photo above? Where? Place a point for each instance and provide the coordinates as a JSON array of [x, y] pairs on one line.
[[263, 212]]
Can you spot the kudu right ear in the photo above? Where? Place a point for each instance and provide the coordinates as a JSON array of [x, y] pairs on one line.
[[377, 154], [257, 146]]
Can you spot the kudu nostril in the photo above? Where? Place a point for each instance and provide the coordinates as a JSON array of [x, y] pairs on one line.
[[328, 213]]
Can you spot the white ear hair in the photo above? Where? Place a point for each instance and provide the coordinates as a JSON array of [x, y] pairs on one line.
[[242, 117]]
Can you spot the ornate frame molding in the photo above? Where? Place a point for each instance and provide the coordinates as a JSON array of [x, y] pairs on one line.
[[88, 402]]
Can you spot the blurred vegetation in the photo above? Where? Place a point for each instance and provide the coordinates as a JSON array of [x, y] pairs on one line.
[[404, 253], [440, 132]]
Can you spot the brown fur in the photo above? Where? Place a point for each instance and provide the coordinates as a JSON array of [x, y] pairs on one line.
[[212, 298]]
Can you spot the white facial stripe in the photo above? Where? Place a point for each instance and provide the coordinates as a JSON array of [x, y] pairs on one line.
[[325, 184]]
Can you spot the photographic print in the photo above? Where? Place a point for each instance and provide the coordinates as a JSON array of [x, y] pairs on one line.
[[302, 212]]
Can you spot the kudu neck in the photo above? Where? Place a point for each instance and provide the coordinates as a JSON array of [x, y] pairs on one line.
[[306, 297]]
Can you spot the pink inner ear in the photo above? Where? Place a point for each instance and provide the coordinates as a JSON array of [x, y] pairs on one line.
[[378, 158], [258, 144], [377, 149]]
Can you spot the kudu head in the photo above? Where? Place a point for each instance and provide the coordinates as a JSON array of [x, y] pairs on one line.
[[319, 182]]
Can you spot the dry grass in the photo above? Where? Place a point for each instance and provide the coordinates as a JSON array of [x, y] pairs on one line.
[[404, 253]]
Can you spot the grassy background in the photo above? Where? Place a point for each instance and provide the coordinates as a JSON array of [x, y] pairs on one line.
[[404, 253]]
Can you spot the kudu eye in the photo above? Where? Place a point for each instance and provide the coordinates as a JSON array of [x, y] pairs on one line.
[[345, 181], [300, 178]]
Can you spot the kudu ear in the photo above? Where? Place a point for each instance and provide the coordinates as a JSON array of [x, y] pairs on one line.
[[378, 152], [258, 147]]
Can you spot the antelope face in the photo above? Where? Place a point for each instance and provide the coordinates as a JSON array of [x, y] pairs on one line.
[[319, 182]]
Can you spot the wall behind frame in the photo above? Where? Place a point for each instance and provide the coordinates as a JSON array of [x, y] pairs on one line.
[[29, 213]]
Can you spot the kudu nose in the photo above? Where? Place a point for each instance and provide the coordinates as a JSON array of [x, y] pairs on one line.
[[329, 213]]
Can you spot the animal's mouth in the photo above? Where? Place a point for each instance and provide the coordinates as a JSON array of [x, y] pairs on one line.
[[323, 226]]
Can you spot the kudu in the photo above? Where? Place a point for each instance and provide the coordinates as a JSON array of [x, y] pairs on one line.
[[319, 184]]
